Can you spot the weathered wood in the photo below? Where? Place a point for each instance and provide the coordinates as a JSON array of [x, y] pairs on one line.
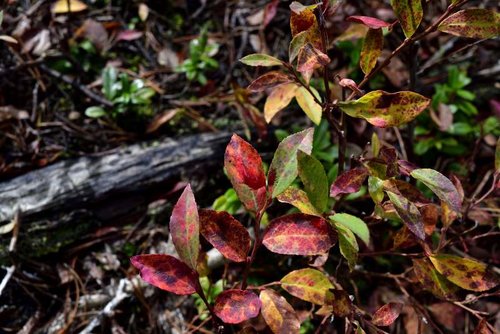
[[131, 171]]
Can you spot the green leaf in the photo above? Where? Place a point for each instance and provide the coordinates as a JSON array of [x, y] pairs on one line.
[[466, 273], [409, 14], [348, 245], [376, 189], [440, 185], [259, 59], [384, 109], [307, 103], [307, 284], [314, 178], [95, 112], [372, 47], [279, 98], [283, 169], [353, 223], [472, 23], [409, 214]]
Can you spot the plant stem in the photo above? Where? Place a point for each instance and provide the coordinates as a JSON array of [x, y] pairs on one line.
[[256, 245], [215, 319]]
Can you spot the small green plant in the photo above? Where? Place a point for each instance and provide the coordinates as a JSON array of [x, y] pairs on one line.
[[127, 96], [200, 60], [454, 113]]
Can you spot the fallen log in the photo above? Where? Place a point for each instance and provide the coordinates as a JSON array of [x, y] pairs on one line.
[[62, 203], [71, 184]]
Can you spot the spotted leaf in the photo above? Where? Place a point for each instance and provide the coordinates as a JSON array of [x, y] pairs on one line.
[[307, 284], [278, 313], [384, 109], [298, 198], [472, 23], [268, 80], [387, 314], [244, 168], [185, 228], [259, 59], [226, 234], [371, 50], [235, 306], [349, 182], [466, 273], [283, 169], [167, 273], [299, 234], [279, 98], [339, 302], [440, 185], [409, 214], [370, 22], [432, 280], [409, 13]]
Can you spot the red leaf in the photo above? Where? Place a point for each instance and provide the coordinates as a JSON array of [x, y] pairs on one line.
[[309, 59], [268, 80], [387, 314], [226, 234], [235, 306], [349, 182], [370, 22], [185, 228], [299, 234], [270, 11], [244, 169], [167, 273]]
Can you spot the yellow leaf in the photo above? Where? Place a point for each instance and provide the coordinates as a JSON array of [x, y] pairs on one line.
[[61, 6], [279, 98], [307, 103]]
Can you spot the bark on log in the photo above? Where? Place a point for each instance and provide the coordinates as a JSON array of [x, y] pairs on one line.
[[74, 184]]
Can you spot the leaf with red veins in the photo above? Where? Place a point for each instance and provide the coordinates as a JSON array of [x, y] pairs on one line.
[[299, 234], [370, 22], [387, 314], [244, 168], [268, 80], [226, 234], [349, 182], [235, 306], [167, 273], [185, 228]]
